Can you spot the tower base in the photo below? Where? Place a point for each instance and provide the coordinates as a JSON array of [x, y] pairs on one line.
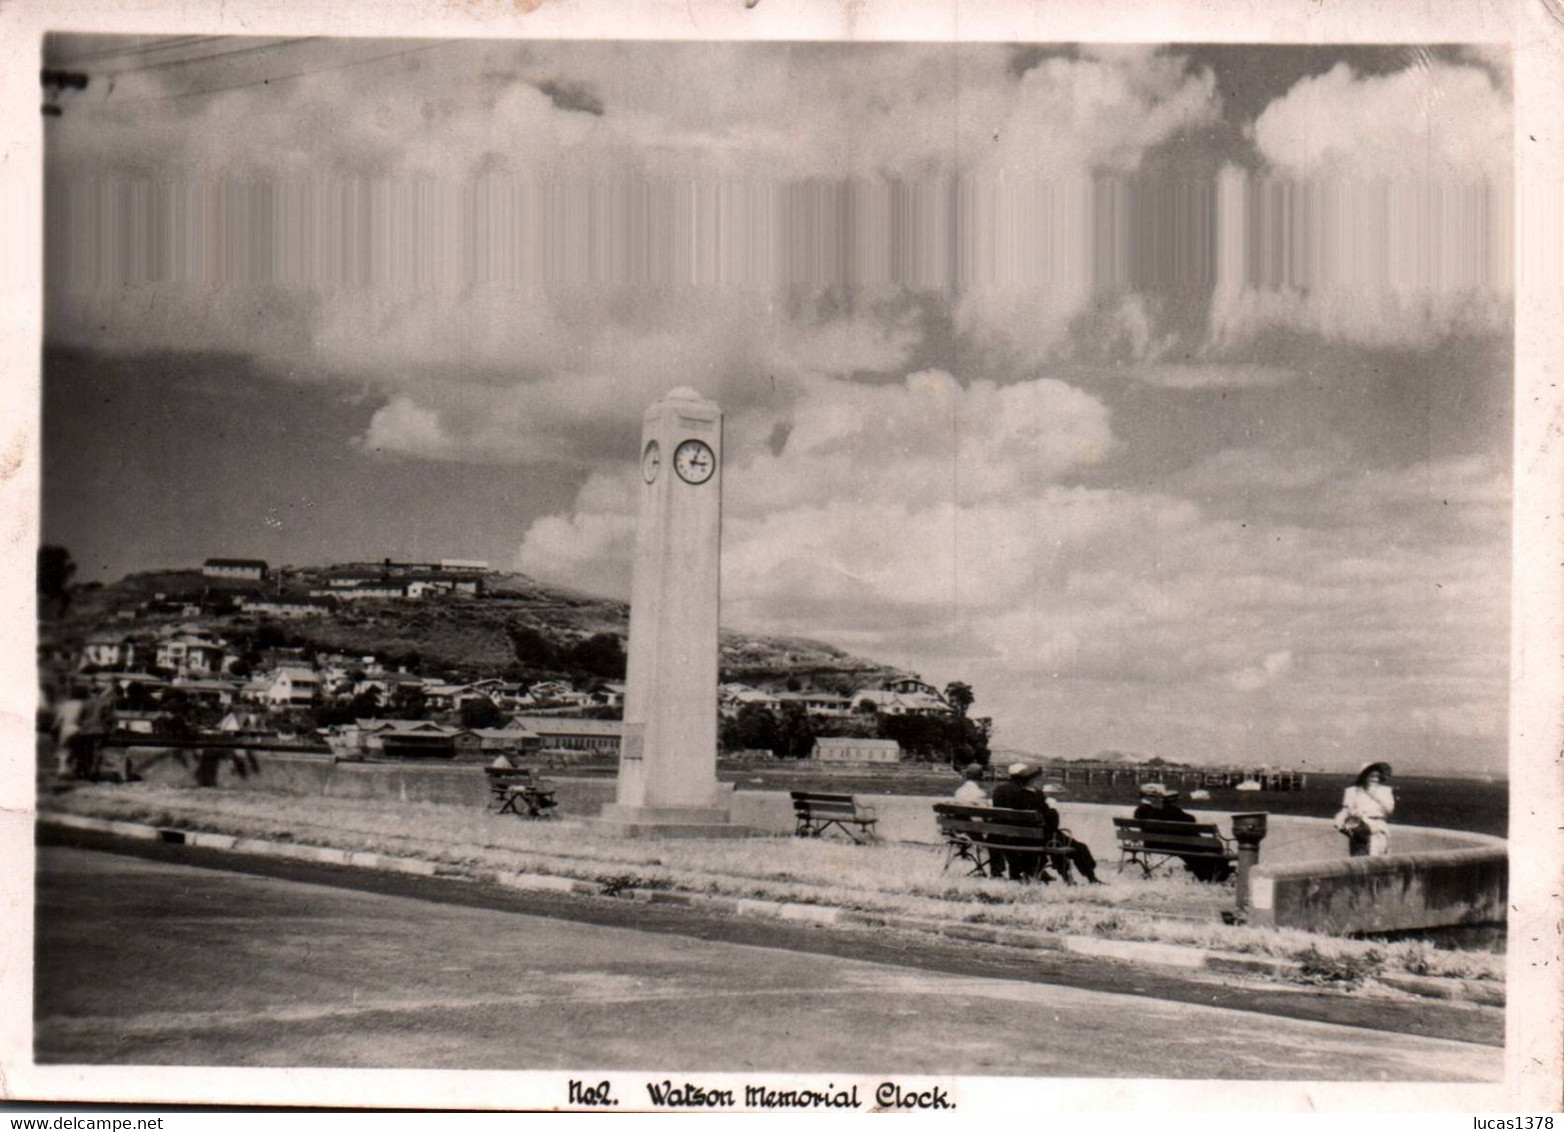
[[667, 821]]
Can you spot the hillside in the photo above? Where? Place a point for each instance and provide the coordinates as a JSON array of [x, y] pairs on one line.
[[490, 635]]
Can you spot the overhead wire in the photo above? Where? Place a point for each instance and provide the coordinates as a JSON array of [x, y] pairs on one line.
[[285, 78], [170, 44], [193, 59]]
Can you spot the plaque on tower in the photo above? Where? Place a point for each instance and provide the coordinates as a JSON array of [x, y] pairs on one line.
[[668, 755]]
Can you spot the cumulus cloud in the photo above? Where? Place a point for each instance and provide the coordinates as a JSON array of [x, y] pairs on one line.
[[1392, 195], [924, 441], [1430, 122], [1076, 119]]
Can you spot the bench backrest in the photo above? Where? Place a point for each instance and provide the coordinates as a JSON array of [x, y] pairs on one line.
[[509, 776], [986, 823], [824, 805], [1175, 836]]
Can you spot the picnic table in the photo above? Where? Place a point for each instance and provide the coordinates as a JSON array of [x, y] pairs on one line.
[[520, 792]]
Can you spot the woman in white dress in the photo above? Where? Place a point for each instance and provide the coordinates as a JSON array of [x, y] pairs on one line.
[[1365, 812]]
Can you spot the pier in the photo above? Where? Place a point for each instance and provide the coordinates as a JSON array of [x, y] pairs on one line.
[[1187, 778]]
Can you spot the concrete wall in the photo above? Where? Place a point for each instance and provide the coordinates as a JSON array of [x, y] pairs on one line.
[[462, 785], [1440, 888]]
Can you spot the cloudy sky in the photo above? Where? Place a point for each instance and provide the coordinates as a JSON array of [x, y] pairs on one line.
[[1162, 394]]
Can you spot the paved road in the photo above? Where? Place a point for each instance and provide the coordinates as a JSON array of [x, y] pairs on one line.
[[146, 962]]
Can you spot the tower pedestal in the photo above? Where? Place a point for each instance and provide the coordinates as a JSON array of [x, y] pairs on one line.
[[668, 821]]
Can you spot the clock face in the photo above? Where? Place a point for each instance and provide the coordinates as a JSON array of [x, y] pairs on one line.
[[694, 461], [651, 460]]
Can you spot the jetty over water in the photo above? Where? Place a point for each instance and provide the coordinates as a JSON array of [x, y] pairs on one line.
[[1189, 777]]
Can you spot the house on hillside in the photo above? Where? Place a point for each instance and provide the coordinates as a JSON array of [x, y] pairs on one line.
[[293, 687], [192, 654], [253, 690], [211, 692], [911, 685], [363, 591], [848, 749], [467, 585], [237, 569], [816, 703], [732, 698], [245, 724], [887, 701], [283, 609], [103, 650], [551, 692]]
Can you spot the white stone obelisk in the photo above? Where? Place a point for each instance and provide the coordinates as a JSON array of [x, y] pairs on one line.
[[668, 755]]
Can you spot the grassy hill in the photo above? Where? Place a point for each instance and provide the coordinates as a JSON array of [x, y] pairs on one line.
[[473, 636]]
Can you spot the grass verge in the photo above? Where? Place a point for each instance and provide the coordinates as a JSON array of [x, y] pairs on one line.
[[888, 879]]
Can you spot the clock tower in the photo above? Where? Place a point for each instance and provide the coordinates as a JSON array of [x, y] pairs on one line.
[[668, 755]]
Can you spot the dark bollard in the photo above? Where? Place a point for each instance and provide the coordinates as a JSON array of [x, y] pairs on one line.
[[1248, 831]]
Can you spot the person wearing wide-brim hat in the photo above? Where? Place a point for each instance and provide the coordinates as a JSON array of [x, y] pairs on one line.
[[1158, 803], [1017, 793], [971, 792], [1365, 811]]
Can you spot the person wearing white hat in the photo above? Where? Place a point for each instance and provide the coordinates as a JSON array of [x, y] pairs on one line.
[[1366, 807], [1157, 803], [1017, 793]]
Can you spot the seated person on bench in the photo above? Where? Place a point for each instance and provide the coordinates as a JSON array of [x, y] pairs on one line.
[[971, 792], [1157, 804], [1081, 857], [1017, 793]]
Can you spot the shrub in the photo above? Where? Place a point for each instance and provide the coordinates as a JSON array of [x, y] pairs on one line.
[[1320, 969]]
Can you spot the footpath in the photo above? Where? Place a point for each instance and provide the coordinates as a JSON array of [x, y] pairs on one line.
[[1317, 971]]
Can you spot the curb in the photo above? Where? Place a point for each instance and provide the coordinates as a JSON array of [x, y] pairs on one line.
[[1480, 992]]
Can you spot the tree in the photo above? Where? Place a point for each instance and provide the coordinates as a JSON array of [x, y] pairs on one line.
[[867, 707], [481, 712], [754, 728], [797, 732], [794, 684], [959, 696], [533, 650], [601, 654], [55, 570], [409, 702], [920, 736], [366, 704]]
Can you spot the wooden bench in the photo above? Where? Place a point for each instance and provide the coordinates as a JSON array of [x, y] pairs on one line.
[[1151, 844], [973, 833], [818, 812], [512, 788]]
